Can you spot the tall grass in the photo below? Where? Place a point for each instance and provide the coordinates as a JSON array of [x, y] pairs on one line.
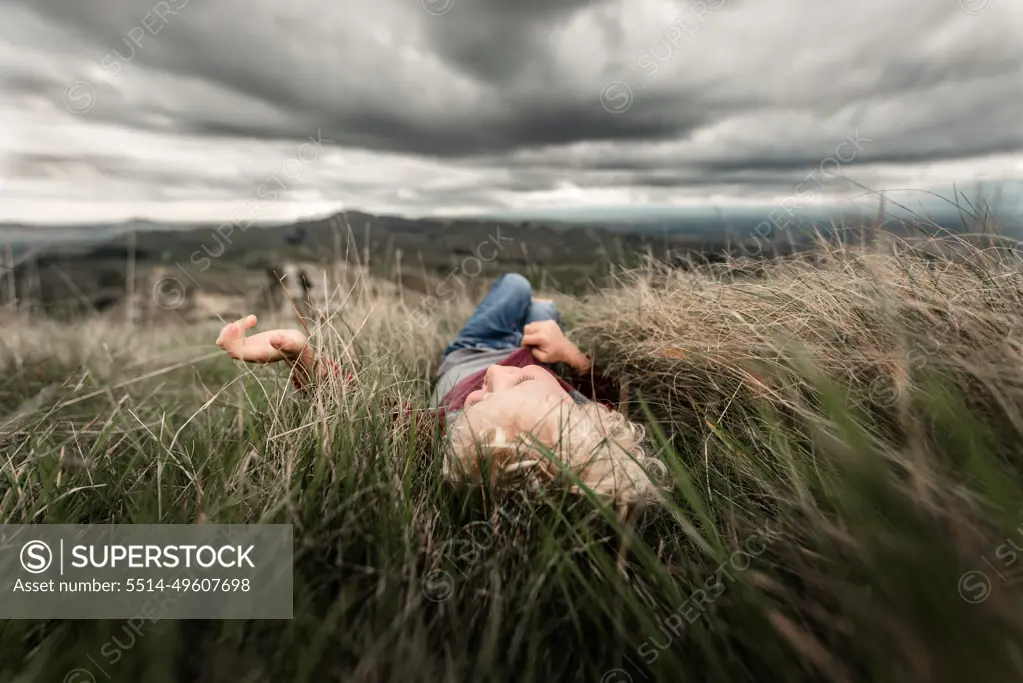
[[843, 442]]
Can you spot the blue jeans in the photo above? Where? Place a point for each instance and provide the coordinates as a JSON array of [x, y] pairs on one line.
[[498, 321]]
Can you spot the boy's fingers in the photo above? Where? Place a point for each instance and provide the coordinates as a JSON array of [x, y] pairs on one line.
[[240, 324], [233, 333], [226, 333]]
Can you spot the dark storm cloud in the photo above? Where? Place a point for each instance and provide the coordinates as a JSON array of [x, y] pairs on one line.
[[759, 95], [499, 48], [520, 125], [497, 41]]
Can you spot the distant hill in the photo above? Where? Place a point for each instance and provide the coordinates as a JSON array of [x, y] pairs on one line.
[[75, 268], [62, 268]]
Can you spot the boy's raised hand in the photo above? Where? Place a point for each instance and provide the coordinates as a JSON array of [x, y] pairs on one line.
[[265, 347], [550, 345]]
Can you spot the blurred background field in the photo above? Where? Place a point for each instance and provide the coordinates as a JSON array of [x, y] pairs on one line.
[[842, 432]]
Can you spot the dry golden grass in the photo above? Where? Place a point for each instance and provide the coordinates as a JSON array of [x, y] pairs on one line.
[[859, 317]]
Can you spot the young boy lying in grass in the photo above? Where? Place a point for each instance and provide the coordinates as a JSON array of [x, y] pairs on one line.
[[503, 409]]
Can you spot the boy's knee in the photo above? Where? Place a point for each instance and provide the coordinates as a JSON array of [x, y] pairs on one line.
[[517, 286], [516, 280]]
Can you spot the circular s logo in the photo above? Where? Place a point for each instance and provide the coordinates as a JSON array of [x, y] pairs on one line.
[[438, 586], [169, 293], [975, 6], [36, 557], [616, 676], [79, 676], [974, 586], [438, 7], [79, 97], [616, 97]]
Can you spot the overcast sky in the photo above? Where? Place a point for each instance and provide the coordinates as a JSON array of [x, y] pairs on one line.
[[200, 109]]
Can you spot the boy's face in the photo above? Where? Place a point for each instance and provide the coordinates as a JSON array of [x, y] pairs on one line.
[[514, 401]]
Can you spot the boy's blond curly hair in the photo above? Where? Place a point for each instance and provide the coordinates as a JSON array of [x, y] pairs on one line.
[[598, 445]]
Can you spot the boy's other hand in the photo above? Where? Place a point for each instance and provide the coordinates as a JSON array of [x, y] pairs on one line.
[[265, 347], [550, 345]]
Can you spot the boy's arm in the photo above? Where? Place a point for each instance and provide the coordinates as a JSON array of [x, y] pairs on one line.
[[273, 346], [307, 370]]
